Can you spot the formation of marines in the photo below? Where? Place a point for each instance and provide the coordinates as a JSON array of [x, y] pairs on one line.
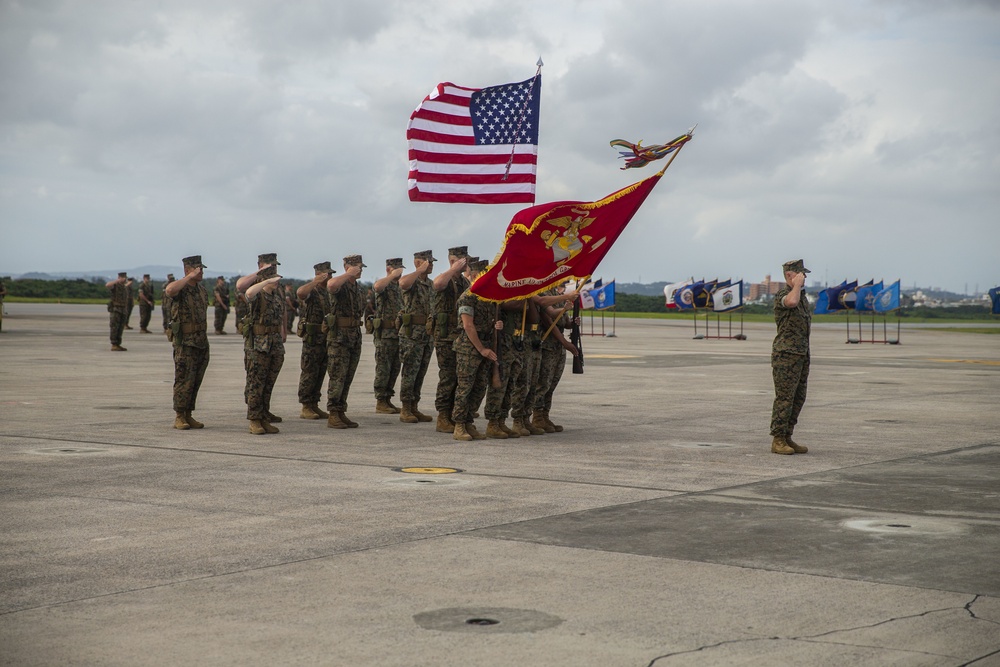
[[505, 358]]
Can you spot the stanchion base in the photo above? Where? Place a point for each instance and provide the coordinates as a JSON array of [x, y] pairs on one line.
[[610, 335], [698, 337]]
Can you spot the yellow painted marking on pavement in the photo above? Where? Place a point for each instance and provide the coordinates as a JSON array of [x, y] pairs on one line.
[[967, 361], [429, 471], [612, 356]]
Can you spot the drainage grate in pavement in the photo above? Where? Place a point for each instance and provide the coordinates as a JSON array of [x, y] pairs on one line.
[[123, 407], [489, 620], [703, 445], [68, 450], [910, 525]]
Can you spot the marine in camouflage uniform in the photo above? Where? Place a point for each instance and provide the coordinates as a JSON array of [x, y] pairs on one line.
[[343, 339], [263, 347], [387, 300], [188, 301], [790, 358], [118, 309], [240, 306], [448, 286], [553, 357], [314, 300], [474, 357], [221, 296], [243, 285], [129, 300], [522, 393], [511, 353], [165, 302], [146, 303], [415, 337]]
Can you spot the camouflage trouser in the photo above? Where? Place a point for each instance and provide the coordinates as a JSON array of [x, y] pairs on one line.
[[166, 316], [387, 365], [241, 312], [145, 315], [128, 311], [189, 370], [415, 354], [262, 373], [220, 318], [791, 373], [498, 398], [549, 373], [344, 355], [444, 400], [313, 363], [473, 373], [117, 326], [522, 397]]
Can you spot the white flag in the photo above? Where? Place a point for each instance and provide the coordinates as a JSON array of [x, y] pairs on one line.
[[728, 298], [670, 292]]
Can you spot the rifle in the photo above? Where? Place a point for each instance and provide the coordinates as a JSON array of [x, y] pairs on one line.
[[497, 378], [574, 337]]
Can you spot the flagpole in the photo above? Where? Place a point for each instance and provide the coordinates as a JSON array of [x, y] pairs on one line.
[[520, 121], [563, 311], [672, 158]]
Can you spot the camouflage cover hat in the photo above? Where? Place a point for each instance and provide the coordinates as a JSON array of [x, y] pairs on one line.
[[267, 272], [459, 251], [221, 278], [268, 258], [145, 275], [394, 263], [479, 265], [195, 261], [123, 274], [170, 277], [323, 267], [426, 255], [795, 266], [354, 260]]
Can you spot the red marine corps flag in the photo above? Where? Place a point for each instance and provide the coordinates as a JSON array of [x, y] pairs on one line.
[[550, 243]]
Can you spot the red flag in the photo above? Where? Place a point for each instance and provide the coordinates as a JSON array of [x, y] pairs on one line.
[[462, 139], [549, 243]]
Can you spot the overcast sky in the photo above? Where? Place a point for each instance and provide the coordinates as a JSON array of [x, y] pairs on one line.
[[861, 136]]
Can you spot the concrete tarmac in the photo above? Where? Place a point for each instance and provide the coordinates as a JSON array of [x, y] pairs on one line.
[[656, 530]]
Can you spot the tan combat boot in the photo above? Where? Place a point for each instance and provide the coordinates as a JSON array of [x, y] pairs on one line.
[[272, 418], [419, 415], [383, 408], [470, 428], [444, 423], [392, 406], [118, 348], [511, 433], [780, 446], [180, 423], [556, 428], [308, 412], [461, 433], [267, 426], [192, 422], [520, 428], [256, 427], [493, 430], [315, 408], [799, 449], [538, 421], [406, 414], [346, 420], [334, 421]]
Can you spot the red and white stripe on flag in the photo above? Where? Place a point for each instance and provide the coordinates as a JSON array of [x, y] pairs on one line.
[[460, 140]]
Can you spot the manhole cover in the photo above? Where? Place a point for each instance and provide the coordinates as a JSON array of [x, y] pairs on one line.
[[428, 471], [908, 525], [69, 450], [490, 620], [702, 445]]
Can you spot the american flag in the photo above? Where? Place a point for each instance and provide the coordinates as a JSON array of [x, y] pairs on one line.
[[461, 140]]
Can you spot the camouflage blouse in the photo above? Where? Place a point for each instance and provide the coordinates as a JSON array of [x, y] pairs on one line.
[[793, 324], [388, 304], [445, 302], [190, 308], [267, 310], [483, 314]]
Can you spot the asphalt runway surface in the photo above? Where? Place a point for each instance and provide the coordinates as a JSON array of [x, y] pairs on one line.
[[656, 530]]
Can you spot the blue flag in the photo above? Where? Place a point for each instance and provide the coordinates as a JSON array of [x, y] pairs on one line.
[[995, 298], [822, 303], [866, 297], [604, 297], [887, 299], [832, 294], [685, 297]]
